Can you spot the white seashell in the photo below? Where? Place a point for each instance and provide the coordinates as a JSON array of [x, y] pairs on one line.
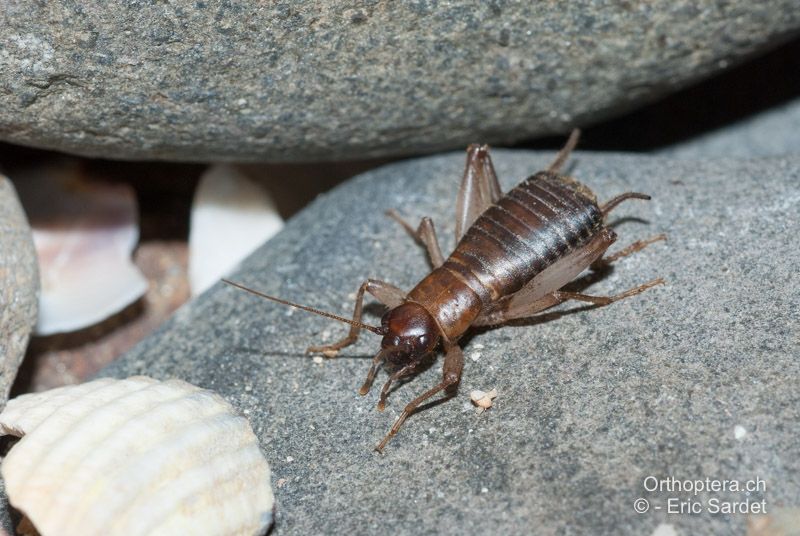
[[135, 456], [84, 232], [231, 216]]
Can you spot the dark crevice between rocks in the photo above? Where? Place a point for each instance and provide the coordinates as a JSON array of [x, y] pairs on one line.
[[755, 86], [40, 346]]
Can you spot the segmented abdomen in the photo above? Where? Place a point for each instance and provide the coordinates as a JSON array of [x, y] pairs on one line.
[[529, 228]]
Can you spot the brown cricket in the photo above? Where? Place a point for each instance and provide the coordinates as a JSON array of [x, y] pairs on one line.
[[514, 253]]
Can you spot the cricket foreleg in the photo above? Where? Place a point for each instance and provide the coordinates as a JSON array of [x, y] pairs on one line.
[[451, 376], [386, 293], [402, 373]]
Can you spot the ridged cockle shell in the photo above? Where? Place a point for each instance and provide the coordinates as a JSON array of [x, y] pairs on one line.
[[135, 456]]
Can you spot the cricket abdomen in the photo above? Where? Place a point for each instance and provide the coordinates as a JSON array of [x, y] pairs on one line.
[[542, 219]]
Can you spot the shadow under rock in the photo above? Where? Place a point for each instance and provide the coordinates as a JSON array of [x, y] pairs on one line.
[[40, 346], [761, 83]]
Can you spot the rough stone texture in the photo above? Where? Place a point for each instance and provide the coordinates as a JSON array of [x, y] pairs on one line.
[[590, 402], [303, 80], [6, 522], [19, 286], [19, 292], [771, 132]]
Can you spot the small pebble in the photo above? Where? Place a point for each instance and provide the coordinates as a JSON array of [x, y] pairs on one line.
[[739, 432], [483, 400], [318, 359]]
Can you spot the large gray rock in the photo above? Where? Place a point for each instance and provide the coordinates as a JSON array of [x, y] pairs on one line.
[[19, 286], [304, 80], [696, 379], [19, 295]]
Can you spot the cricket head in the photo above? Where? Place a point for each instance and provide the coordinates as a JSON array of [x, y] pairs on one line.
[[409, 332]]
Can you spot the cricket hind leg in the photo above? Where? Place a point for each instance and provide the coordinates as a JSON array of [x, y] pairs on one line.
[[522, 310], [451, 376], [537, 294], [564, 153], [479, 188], [425, 234], [606, 261], [544, 292], [386, 293], [562, 296]]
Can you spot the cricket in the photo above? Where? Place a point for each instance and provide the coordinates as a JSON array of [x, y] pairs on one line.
[[514, 254]]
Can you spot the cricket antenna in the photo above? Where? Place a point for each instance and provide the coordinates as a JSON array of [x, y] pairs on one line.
[[373, 329]]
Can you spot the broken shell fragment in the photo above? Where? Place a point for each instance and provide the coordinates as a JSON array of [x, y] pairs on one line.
[[135, 456], [231, 216], [482, 400], [84, 232]]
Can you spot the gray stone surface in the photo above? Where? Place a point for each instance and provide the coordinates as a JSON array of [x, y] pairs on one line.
[[6, 521], [19, 293], [769, 133], [19, 286], [590, 402], [303, 80]]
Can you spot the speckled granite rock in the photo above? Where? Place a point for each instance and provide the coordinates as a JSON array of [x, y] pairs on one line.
[[303, 80], [19, 285], [694, 379]]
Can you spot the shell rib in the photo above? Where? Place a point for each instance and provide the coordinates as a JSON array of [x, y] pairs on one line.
[[135, 456]]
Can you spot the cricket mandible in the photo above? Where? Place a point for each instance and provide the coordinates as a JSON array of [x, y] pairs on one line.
[[514, 254]]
